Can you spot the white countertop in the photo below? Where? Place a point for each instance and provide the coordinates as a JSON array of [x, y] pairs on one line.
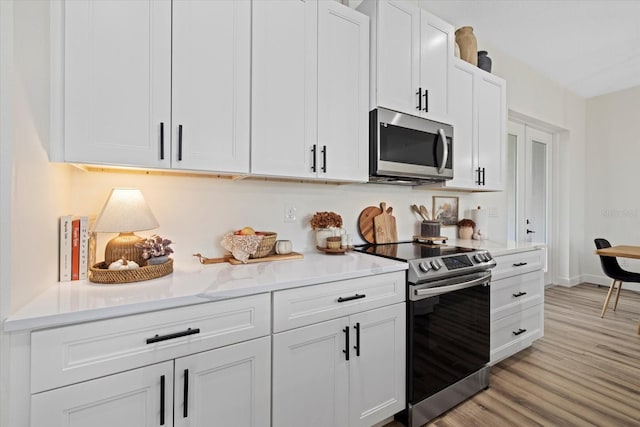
[[81, 301], [496, 247]]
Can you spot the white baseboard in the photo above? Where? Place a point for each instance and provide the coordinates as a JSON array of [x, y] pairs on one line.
[[569, 281], [605, 281]]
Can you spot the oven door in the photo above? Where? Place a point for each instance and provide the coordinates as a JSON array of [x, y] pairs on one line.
[[406, 146], [448, 333]]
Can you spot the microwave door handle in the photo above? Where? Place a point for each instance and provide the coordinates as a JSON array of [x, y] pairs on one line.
[[445, 155]]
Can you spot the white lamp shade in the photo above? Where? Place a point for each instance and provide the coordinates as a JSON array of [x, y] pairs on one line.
[[125, 211]]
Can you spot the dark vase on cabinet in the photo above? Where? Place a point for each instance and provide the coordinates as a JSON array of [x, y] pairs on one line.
[[484, 62]]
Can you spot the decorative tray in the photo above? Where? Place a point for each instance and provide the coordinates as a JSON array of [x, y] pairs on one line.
[[430, 240], [336, 251], [99, 273]]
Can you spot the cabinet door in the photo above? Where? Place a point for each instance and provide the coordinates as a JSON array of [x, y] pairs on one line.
[[310, 376], [211, 85], [129, 399], [343, 92], [464, 122], [117, 82], [229, 386], [436, 51], [492, 116], [398, 50], [377, 374], [284, 88]]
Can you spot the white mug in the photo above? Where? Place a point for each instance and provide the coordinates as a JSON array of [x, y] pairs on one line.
[[283, 247]]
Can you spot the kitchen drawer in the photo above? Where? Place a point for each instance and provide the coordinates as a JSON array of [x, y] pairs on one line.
[[519, 263], [512, 333], [303, 306], [75, 353], [515, 293]]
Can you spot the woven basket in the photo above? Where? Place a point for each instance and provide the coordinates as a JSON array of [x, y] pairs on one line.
[[101, 274], [266, 244]]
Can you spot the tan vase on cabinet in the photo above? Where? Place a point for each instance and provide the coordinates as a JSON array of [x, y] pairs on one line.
[[468, 44]]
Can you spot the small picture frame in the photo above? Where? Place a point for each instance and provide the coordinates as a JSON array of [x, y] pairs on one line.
[[445, 209]]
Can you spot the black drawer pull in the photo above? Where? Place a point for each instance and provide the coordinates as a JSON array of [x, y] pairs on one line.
[[519, 264], [346, 343], [158, 338], [419, 93], [180, 143], [161, 140], [324, 158], [356, 296], [161, 400], [519, 294], [313, 158], [185, 397], [520, 331], [357, 346]]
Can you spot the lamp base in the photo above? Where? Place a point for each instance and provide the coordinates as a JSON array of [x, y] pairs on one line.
[[123, 245]]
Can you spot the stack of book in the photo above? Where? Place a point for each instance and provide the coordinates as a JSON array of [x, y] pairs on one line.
[[74, 248]]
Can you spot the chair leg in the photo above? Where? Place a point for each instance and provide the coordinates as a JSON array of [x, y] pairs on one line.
[[615, 305], [606, 301]]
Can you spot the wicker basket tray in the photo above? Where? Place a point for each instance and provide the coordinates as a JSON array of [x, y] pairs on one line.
[[266, 244], [101, 274]]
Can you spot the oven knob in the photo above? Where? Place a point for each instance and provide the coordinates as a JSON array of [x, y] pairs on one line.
[[435, 265], [477, 257], [424, 267], [488, 256]]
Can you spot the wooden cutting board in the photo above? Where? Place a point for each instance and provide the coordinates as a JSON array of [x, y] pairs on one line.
[[273, 257], [385, 226], [365, 223]]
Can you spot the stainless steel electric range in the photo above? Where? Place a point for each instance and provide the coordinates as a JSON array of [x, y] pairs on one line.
[[448, 314]]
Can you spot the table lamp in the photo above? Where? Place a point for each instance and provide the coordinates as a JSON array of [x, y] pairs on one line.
[[124, 212]]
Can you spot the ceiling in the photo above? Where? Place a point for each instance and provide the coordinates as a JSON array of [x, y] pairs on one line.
[[592, 47]]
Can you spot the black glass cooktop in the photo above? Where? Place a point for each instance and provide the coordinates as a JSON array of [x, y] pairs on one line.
[[412, 250]]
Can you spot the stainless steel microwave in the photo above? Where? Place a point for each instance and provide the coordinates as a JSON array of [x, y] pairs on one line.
[[407, 149]]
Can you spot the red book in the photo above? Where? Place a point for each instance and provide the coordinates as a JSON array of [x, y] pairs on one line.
[[75, 249]]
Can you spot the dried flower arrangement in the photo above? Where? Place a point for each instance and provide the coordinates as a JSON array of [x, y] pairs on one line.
[[325, 220], [464, 222], [155, 246]]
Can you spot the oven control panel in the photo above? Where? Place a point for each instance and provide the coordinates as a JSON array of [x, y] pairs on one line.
[[451, 265]]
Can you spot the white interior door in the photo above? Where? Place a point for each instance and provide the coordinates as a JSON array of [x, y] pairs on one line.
[[537, 188]]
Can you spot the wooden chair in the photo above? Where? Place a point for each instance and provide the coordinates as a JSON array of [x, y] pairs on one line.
[[613, 270]]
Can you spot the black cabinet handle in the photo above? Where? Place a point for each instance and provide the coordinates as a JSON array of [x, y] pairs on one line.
[[483, 177], [313, 158], [324, 158], [530, 231], [426, 100], [519, 294], [158, 338], [478, 181], [519, 331], [519, 264], [356, 296], [346, 345], [185, 397], [419, 93], [357, 346], [161, 140], [162, 400], [179, 142]]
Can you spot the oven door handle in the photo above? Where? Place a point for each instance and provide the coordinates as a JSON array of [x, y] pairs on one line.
[[431, 292]]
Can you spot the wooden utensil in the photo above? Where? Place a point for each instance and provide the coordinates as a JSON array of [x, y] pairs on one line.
[[425, 213], [385, 226], [365, 223], [417, 210]]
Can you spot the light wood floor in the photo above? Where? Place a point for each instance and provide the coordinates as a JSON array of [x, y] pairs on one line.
[[585, 371]]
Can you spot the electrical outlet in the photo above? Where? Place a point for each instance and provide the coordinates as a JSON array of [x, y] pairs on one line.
[[289, 212]]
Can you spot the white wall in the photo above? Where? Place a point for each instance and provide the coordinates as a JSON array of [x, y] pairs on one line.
[[611, 203]]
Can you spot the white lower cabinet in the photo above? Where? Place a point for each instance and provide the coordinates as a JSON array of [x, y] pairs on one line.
[[229, 386], [348, 371], [517, 303]]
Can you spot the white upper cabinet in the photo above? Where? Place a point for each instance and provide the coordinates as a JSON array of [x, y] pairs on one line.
[[410, 58], [284, 96], [117, 82], [211, 85], [309, 91], [478, 114], [343, 93], [158, 83]]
